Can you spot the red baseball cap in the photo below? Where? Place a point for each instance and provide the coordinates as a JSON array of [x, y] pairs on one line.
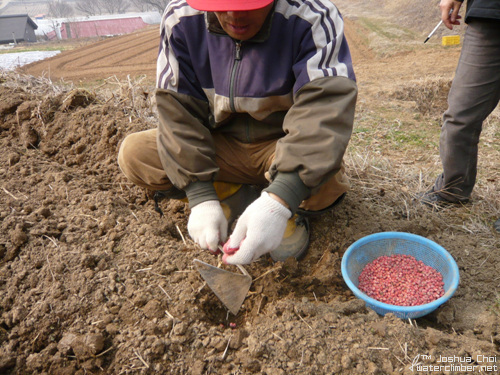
[[228, 5]]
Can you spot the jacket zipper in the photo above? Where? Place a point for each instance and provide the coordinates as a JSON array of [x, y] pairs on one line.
[[237, 59]]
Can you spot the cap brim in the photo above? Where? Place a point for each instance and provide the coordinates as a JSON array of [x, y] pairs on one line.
[[228, 5]]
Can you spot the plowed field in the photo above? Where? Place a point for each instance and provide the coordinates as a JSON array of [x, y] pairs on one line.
[[131, 55]]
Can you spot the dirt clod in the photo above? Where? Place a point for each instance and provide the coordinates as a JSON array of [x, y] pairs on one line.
[[18, 236]]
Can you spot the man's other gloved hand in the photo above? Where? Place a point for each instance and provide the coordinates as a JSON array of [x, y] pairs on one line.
[[207, 225], [258, 231]]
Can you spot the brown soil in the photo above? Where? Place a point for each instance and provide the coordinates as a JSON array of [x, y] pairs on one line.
[[94, 281]]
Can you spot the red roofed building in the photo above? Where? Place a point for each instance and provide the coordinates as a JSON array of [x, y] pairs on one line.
[[93, 28]]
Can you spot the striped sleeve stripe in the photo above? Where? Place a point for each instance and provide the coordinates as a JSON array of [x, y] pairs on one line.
[[331, 36], [169, 11], [167, 65], [164, 73], [330, 40]]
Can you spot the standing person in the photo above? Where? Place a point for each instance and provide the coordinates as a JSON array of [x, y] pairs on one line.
[[252, 92], [474, 94]]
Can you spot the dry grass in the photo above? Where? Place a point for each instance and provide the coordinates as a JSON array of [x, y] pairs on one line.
[[400, 183], [428, 94], [376, 170], [134, 96], [34, 85]]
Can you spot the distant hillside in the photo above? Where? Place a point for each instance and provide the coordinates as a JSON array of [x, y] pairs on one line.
[[36, 7], [419, 16]]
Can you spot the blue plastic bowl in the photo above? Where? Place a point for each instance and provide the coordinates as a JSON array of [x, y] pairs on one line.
[[369, 248]]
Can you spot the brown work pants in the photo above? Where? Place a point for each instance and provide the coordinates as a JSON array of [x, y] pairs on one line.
[[240, 163]]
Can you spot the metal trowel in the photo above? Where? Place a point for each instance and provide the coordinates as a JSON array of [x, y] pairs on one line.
[[231, 288]]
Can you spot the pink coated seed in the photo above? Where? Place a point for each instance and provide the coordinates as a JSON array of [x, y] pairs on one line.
[[401, 280]]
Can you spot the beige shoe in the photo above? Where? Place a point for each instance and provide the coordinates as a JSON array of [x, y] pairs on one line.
[[295, 240], [308, 213]]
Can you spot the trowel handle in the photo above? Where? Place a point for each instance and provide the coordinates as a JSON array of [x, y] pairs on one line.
[[242, 269]]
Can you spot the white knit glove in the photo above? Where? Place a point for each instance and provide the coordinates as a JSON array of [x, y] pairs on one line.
[[258, 231], [207, 225]]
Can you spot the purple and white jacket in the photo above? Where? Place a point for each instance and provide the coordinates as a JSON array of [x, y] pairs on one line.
[[294, 81]]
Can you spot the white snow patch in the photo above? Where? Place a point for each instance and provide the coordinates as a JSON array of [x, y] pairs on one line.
[[10, 61]]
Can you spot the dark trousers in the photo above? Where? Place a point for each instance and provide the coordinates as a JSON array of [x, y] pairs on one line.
[[474, 94]]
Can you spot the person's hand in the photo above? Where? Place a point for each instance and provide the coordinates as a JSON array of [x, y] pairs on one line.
[[207, 225], [258, 231], [449, 12]]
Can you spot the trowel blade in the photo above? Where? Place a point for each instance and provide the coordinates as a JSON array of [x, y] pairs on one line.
[[231, 288]]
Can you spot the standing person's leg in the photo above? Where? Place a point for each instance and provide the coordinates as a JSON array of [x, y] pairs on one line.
[[474, 94]]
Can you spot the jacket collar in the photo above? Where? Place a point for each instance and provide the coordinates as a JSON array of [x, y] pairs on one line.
[[214, 26]]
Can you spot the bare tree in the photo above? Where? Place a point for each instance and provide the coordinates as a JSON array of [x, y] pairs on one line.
[[115, 6], [90, 7], [158, 5], [98, 7], [60, 9], [139, 5]]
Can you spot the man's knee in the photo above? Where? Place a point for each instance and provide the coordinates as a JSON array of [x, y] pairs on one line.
[[127, 156], [127, 152]]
